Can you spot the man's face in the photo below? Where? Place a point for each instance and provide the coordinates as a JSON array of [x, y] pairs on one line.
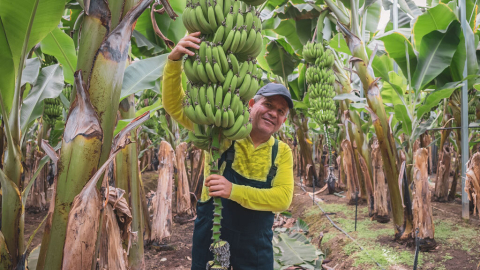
[[268, 114]]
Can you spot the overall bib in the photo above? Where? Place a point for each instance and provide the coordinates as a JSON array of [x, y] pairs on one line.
[[249, 232]]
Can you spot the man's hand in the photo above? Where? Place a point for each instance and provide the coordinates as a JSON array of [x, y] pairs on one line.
[[189, 41], [218, 186]]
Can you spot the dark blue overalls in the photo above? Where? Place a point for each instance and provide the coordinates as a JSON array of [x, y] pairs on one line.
[[249, 232]]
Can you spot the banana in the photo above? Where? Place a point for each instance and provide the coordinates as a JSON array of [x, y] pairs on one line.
[[228, 80], [215, 55], [226, 100], [204, 8], [246, 115], [239, 22], [202, 52], [194, 93], [219, 12], [218, 72], [200, 116], [252, 91], [236, 41], [219, 34], [201, 73], [189, 72], [223, 60], [210, 73], [249, 20], [235, 103], [212, 20], [228, 23], [240, 134], [231, 117], [199, 132], [245, 85], [234, 128], [224, 118], [227, 6], [236, 9], [190, 113], [234, 63], [208, 53], [209, 113], [242, 73], [228, 41], [252, 35], [258, 45], [243, 39], [202, 22], [218, 96], [202, 97], [233, 83], [185, 19], [218, 117], [211, 95]]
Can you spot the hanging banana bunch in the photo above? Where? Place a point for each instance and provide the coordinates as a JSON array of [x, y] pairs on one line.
[[320, 78], [53, 108], [222, 78], [147, 98]]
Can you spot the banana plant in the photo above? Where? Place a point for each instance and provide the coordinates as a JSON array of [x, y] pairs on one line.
[[22, 26]]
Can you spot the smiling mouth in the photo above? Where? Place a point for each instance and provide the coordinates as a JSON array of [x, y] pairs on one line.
[[269, 121]]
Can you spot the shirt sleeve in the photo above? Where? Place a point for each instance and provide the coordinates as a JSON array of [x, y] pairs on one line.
[[275, 199], [172, 93]]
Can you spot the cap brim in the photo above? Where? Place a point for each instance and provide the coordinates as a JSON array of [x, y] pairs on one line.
[[287, 98]]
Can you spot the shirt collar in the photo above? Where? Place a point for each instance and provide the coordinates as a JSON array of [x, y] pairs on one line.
[[270, 141]]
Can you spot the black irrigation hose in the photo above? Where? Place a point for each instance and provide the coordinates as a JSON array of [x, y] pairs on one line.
[[340, 229]]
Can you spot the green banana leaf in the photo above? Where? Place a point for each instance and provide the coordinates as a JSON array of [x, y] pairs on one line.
[[435, 54], [293, 252], [382, 65], [287, 29], [403, 116], [30, 72], [395, 46], [49, 84], [16, 19], [436, 18], [373, 17], [295, 10], [60, 45], [339, 44], [281, 58], [434, 98], [143, 45], [143, 74]]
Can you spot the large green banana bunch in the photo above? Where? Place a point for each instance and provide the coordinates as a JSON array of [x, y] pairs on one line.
[[320, 78], [147, 98], [223, 74]]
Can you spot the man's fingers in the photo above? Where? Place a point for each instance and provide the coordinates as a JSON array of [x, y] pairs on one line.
[[193, 39], [184, 50], [216, 194], [189, 44], [213, 182], [196, 34], [216, 188]]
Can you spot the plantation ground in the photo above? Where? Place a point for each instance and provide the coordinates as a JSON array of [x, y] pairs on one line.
[[459, 242]]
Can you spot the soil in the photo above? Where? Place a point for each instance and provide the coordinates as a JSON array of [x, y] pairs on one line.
[[451, 253]]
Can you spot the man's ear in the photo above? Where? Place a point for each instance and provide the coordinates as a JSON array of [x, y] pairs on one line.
[[250, 103]]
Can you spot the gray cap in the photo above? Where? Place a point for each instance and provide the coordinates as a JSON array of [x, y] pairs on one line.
[[272, 89]]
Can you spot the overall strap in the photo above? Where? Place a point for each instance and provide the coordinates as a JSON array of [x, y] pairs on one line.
[[228, 155], [273, 168]]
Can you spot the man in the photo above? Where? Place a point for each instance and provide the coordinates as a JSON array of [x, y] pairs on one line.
[[258, 176]]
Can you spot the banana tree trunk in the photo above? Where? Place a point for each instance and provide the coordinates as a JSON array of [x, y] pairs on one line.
[[443, 175], [162, 213], [353, 186], [75, 168], [422, 208], [472, 183], [127, 179], [381, 202], [183, 192]]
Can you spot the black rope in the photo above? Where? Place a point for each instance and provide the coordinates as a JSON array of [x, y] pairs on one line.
[[356, 209], [417, 249]]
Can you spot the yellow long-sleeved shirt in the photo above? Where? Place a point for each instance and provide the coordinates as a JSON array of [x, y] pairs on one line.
[[250, 162]]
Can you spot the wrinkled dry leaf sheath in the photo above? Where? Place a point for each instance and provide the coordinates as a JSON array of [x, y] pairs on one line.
[[472, 184], [381, 207], [443, 175], [112, 254]]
